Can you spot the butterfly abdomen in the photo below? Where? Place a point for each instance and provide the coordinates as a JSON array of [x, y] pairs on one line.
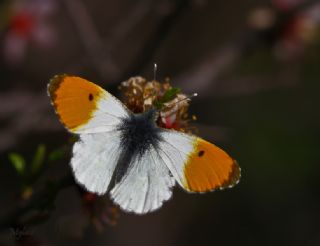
[[138, 133]]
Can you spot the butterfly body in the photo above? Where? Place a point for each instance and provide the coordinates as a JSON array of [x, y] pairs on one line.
[[138, 132], [128, 156]]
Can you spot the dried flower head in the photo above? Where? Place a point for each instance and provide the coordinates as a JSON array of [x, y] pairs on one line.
[[140, 95]]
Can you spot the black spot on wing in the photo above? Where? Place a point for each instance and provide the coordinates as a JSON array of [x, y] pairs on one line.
[[90, 97], [200, 153]]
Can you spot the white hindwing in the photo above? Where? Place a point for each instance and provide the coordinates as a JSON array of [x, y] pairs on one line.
[[94, 160], [175, 149], [146, 185]]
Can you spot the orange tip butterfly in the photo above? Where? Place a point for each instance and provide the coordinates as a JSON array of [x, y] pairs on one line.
[[128, 156]]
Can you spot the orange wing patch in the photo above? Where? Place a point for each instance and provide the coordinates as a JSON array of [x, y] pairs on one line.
[[75, 99], [209, 167]]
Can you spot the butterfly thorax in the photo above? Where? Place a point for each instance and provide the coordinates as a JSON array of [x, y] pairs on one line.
[[138, 133]]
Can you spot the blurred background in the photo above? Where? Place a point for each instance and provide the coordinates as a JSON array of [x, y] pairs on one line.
[[256, 67]]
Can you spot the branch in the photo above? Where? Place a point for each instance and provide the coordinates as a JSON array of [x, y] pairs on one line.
[[205, 74], [155, 40], [90, 37]]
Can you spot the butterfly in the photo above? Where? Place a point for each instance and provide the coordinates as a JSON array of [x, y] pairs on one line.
[[127, 155]]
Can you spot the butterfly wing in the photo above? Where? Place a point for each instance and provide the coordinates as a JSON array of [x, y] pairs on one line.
[[94, 160], [146, 185], [197, 165], [84, 107]]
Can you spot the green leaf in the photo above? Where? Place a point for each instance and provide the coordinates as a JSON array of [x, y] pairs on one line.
[[158, 104], [38, 158], [56, 155], [168, 96], [18, 162]]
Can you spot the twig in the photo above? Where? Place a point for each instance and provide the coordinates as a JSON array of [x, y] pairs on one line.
[[205, 74], [23, 119], [90, 38], [95, 47], [126, 24], [155, 40]]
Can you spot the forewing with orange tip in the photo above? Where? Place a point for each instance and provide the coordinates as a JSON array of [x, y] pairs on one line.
[[84, 107], [197, 165]]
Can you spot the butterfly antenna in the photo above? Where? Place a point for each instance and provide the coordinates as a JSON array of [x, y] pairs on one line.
[[188, 98], [155, 68]]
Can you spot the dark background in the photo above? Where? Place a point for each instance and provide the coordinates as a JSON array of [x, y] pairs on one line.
[[256, 67]]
